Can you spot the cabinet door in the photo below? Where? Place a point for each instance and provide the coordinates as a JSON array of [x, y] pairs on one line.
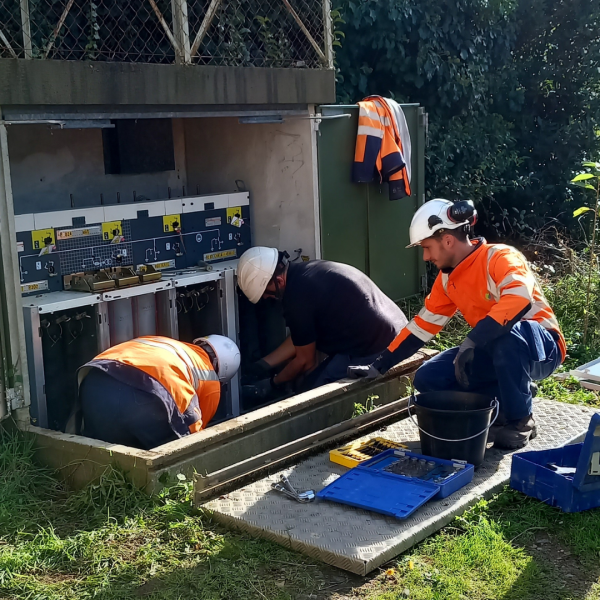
[[359, 224]]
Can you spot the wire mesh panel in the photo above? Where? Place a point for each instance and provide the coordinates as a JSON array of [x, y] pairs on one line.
[[263, 33]]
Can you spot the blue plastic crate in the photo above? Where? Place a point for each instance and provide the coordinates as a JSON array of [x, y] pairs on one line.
[[370, 487], [579, 491]]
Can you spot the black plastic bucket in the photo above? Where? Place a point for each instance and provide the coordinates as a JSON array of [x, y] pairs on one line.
[[454, 425]]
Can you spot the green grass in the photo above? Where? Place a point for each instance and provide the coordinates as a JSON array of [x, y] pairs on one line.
[[111, 541], [486, 554]]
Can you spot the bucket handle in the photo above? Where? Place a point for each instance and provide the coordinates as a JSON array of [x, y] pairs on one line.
[[494, 403]]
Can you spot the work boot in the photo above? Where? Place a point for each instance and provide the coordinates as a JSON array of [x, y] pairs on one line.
[[515, 434], [501, 421]]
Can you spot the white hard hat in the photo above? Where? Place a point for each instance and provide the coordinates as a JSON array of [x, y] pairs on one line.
[[440, 214], [255, 269], [225, 351]]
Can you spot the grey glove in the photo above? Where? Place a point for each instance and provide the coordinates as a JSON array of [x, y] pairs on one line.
[[368, 372], [463, 360]]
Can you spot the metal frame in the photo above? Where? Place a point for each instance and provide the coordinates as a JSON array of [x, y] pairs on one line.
[[102, 326], [583, 372], [229, 327], [35, 361], [35, 353], [166, 309], [147, 288], [14, 353], [54, 301], [18, 116]]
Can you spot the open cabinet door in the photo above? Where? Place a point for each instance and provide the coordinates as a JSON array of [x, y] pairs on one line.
[[360, 226]]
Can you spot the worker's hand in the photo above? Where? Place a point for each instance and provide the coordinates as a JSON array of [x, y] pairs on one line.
[[367, 372], [258, 370], [260, 390], [463, 360]]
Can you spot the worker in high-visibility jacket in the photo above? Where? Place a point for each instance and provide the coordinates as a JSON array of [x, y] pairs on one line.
[[515, 337], [153, 390]]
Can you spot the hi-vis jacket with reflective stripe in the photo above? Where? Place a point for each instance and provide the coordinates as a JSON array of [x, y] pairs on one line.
[[180, 374], [379, 148], [493, 288]]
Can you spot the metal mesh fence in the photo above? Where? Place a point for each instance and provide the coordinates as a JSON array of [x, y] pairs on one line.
[[262, 33]]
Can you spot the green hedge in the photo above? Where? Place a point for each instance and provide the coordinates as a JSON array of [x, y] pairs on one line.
[[511, 87]]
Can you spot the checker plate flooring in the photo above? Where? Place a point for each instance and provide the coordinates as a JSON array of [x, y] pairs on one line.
[[360, 541]]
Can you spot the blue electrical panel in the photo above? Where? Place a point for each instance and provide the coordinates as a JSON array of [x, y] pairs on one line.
[[169, 235]]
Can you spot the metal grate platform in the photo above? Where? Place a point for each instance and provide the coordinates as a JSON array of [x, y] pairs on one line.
[[357, 540]]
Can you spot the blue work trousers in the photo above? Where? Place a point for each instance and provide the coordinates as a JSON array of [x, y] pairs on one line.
[[503, 370], [121, 414]]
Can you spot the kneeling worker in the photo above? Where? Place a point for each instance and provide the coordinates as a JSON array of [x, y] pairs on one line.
[[152, 390], [515, 338], [328, 307]]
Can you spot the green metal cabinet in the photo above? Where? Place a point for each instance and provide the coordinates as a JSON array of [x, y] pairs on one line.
[[360, 226]]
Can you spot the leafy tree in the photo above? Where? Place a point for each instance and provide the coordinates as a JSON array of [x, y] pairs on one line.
[[511, 87]]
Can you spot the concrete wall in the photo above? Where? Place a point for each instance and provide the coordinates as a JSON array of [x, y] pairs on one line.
[[47, 165], [277, 163], [72, 82]]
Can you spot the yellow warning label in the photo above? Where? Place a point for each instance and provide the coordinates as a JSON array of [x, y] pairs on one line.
[[159, 266], [171, 223], [37, 286], [42, 238], [67, 234], [219, 255], [234, 216], [111, 230]]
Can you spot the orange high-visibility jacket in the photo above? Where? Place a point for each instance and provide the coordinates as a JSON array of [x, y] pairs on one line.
[[493, 288], [180, 374], [379, 148]]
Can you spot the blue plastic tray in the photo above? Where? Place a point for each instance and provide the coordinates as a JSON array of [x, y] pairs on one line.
[[370, 487], [571, 493]]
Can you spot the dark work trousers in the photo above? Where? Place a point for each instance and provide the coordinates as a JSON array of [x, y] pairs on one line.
[[334, 368], [120, 414], [503, 370]]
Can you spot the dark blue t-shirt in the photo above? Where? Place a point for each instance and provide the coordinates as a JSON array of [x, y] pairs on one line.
[[339, 308]]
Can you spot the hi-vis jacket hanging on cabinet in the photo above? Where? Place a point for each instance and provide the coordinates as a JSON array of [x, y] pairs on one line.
[[382, 146]]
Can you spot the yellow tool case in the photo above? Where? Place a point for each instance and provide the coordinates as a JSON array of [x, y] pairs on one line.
[[355, 453]]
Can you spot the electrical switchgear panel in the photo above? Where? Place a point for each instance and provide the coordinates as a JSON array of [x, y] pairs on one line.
[[165, 234]]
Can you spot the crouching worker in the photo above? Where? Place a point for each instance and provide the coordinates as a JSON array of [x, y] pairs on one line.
[[152, 390], [328, 307], [515, 338]]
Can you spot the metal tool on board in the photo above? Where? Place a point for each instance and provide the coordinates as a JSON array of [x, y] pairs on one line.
[[285, 487]]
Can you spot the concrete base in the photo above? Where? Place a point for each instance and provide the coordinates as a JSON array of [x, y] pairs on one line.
[[357, 540], [80, 460]]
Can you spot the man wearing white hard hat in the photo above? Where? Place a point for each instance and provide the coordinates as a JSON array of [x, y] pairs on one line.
[[152, 390], [515, 337], [328, 307]]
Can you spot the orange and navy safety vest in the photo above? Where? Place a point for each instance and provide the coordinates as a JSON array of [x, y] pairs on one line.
[[180, 374], [493, 281], [379, 148]]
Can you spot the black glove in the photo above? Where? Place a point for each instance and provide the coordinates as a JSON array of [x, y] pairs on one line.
[[260, 390], [463, 360], [258, 370], [368, 372]]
